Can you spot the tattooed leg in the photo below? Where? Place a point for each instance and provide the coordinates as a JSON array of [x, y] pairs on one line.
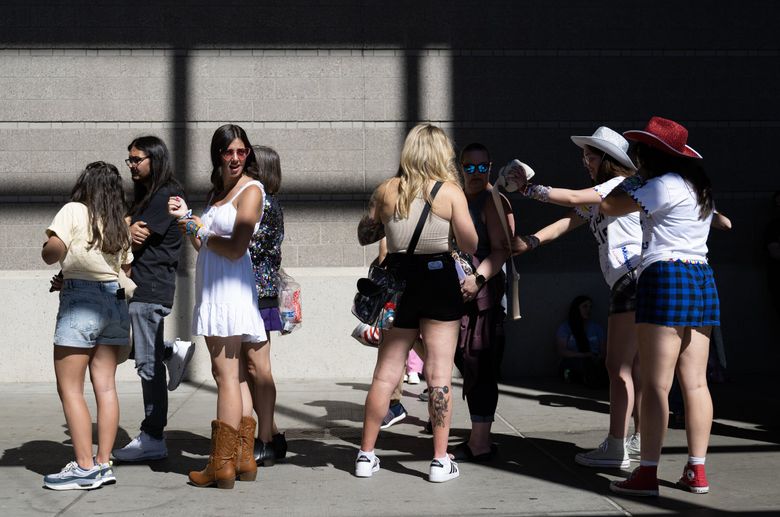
[[438, 404], [370, 231]]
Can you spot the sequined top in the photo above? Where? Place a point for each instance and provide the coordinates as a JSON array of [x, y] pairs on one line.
[[265, 248]]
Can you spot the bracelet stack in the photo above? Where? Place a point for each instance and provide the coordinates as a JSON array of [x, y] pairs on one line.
[[196, 230], [188, 215], [537, 192]]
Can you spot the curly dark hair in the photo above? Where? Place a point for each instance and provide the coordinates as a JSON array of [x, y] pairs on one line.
[[99, 187]]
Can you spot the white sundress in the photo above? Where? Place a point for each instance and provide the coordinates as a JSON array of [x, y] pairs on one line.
[[225, 292]]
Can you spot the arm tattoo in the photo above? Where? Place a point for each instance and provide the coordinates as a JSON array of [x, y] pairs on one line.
[[438, 404], [370, 231]]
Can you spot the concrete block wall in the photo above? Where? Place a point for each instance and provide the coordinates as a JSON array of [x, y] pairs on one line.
[[334, 87]]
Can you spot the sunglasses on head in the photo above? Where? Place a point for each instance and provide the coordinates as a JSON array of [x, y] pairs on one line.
[[242, 153], [471, 168]]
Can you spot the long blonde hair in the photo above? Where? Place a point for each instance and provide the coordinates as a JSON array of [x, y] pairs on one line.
[[427, 155]]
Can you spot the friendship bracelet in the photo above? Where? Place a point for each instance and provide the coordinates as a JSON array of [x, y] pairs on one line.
[[537, 192], [192, 228], [188, 215]]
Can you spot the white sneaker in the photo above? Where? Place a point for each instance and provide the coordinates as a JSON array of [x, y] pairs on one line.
[[611, 453], [414, 378], [365, 466], [442, 471], [143, 447], [178, 361], [633, 445]]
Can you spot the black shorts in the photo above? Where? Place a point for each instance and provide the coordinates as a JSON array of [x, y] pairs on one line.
[[432, 289], [622, 297]]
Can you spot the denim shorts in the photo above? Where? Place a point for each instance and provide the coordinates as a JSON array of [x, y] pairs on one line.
[[622, 296], [90, 314]]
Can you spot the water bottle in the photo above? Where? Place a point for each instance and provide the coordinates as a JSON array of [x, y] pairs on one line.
[[388, 316]]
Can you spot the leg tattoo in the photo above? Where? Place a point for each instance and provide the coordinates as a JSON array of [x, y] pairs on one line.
[[438, 404]]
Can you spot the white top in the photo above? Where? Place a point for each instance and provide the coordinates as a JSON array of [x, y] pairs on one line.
[[72, 226], [671, 227], [619, 238], [225, 291]]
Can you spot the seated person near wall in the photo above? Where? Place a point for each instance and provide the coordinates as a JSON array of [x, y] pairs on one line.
[[580, 344]]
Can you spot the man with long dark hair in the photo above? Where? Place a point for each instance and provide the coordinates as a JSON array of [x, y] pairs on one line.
[[156, 247]]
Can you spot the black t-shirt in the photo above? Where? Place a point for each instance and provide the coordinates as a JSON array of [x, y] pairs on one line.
[[155, 263]]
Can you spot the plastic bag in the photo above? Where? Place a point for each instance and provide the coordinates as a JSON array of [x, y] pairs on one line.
[[289, 302], [367, 335]]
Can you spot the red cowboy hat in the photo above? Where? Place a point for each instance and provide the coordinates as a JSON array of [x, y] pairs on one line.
[[665, 135]]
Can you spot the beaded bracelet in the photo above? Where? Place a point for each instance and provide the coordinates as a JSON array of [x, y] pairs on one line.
[[537, 192], [188, 215]]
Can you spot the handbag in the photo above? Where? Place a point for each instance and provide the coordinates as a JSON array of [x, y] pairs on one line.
[[379, 295]]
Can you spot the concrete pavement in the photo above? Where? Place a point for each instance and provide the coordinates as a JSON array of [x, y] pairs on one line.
[[539, 428]]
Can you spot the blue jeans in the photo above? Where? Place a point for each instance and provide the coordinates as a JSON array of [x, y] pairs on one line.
[[147, 320]]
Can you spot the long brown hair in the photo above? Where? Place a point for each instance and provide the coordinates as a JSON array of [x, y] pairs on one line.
[[222, 138], [654, 162], [269, 168], [609, 167], [99, 187]]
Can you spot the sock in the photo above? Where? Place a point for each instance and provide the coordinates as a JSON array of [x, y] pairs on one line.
[[445, 460], [693, 460], [648, 463], [369, 455]]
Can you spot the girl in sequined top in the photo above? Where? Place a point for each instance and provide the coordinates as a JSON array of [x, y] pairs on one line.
[[265, 248]]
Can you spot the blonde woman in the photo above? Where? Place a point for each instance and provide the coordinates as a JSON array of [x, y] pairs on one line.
[[432, 304]]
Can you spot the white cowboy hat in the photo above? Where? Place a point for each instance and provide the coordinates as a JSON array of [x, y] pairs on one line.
[[609, 141]]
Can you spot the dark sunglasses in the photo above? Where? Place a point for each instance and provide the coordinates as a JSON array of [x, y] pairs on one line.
[[482, 168]]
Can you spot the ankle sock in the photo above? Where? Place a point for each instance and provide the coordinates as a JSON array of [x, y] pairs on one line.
[[445, 460], [694, 460], [648, 463], [369, 455]]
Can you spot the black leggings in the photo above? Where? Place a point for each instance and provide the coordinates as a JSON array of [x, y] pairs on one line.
[[482, 397]]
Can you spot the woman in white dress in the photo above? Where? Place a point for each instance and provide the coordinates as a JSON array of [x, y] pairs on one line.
[[226, 310]]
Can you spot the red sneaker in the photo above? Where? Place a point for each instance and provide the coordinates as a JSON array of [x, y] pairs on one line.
[[643, 481], [694, 479]]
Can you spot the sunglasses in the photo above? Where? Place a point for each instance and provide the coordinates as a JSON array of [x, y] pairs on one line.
[[241, 153], [482, 168], [135, 161]]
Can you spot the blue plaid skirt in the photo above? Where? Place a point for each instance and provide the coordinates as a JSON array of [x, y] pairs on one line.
[[677, 293]]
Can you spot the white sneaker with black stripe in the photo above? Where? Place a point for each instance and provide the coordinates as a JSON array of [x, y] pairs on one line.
[[365, 466], [443, 470]]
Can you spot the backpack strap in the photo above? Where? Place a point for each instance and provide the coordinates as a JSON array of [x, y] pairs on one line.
[[421, 222]]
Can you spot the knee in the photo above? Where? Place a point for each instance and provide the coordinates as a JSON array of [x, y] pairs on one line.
[[258, 370]]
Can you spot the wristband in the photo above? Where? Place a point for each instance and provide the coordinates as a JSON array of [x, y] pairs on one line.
[[531, 240], [188, 215]]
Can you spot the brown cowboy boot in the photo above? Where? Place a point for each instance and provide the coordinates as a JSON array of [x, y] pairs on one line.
[[246, 466], [221, 468]]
